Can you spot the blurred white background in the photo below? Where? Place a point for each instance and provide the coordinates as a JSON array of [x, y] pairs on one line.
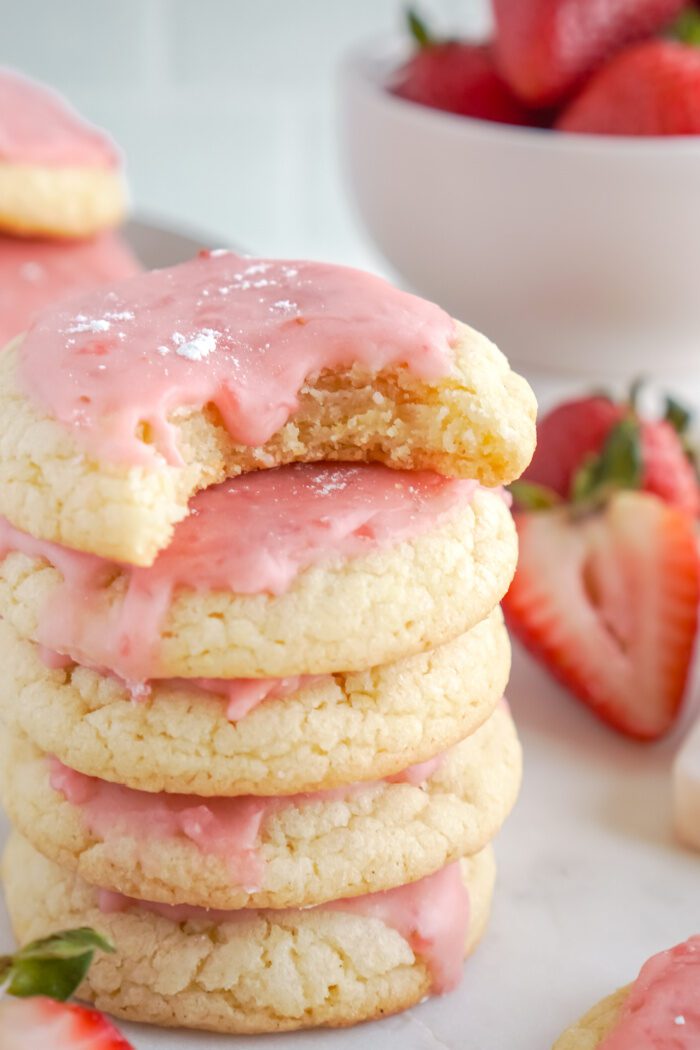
[[225, 108]]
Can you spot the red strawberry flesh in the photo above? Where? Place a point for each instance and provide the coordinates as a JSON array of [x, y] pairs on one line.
[[609, 604], [44, 1024]]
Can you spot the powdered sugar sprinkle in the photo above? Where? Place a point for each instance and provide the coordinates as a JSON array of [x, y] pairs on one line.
[[196, 347]]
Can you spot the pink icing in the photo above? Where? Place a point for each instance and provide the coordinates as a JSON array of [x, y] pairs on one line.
[[242, 695], [662, 1011], [227, 827], [38, 127], [432, 915], [247, 536], [242, 334], [35, 274], [53, 660], [420, 772]]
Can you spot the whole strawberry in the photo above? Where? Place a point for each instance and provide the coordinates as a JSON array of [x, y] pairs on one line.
[[575, 431], [458, 77], [546, 48], [650, 89]]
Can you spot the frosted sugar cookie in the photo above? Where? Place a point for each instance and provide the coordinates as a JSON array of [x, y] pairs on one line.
[[255, 736], [307, 569], [660, 1009], [277, 852], [34, 274], [59, 176], [122, 403], [260, 971]]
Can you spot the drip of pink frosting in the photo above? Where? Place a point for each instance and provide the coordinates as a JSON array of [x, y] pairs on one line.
[[248, 536], [36, 274], [239, 333], [432, 915], [227, 827], [242, 695], [38, 127], [662, 1010], [420, 772]]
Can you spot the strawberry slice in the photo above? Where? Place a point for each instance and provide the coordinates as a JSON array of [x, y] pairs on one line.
[[44, 1024], [608, 602], [546, 48]]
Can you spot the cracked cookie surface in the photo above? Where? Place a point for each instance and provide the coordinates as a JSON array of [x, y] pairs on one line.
[[478, 422], [345, 614], [336, 730], [590, 1031], [276, 972], [369, 838]]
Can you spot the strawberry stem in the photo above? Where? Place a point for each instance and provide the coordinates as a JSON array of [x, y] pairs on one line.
[[677, 415], [529, 496], [619, 466], [418, 29]]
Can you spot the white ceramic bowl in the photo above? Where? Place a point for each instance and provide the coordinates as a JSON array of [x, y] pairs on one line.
[[575, 253]]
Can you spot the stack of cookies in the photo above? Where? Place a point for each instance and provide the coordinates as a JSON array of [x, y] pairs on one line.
[[61, 193], [252, 550]]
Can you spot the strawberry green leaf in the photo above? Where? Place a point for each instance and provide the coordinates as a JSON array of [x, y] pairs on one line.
[[686, 28], [619, 465], [677, 415], [53, 966], [68, 944], [529, 496], [418, 29], [56, 978]]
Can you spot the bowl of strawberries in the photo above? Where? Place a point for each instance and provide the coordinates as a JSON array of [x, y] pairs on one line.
[[542, 184]]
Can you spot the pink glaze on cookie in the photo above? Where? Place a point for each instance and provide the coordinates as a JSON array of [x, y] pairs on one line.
[[662, 1011], [432, 915], [38, 127], [36, 274], [239, 333], [252, 535], [227, 827], [243, 695]]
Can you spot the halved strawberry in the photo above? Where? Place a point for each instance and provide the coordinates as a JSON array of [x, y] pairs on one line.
[[608, 601], [44, 1024]]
